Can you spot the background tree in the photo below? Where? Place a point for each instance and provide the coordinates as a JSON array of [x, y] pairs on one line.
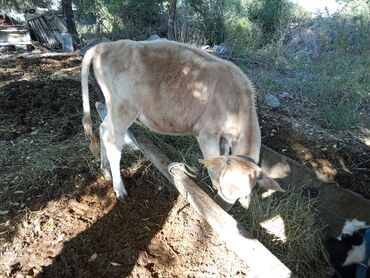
[[171, 19], [268, 15], [69, 17], [22, 4]]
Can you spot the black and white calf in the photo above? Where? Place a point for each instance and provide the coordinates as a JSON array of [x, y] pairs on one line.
[[350, 251]]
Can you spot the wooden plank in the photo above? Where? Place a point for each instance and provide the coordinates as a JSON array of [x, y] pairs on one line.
[[16, 43], [10, 57], [261, 261]]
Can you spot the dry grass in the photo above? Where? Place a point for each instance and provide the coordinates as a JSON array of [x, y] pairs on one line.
[[40, 164], [289, 226]]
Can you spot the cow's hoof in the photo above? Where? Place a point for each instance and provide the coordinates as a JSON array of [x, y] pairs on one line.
[[121, 193], [122, 199], [106, 174]]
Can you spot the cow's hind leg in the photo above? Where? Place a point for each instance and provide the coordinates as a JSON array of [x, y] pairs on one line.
[[104, 163], [113, 133]]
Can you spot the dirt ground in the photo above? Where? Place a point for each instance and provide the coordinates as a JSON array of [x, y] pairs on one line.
[[339, 157], [59, 218]]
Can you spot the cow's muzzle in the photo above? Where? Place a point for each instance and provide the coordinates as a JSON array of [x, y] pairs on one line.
[[223, 202]]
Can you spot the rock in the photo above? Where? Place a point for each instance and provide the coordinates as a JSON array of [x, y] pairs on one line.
[[272, 101], [223, 51], [154, 37], [67, 42], [285, 95]]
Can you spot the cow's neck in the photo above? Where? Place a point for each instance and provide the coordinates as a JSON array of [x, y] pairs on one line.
[[249, 143]]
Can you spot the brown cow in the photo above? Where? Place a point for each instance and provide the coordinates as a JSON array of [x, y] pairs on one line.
[[177, 89]]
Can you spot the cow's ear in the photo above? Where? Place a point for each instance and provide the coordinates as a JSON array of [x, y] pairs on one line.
[[266, 182], [214, 162]]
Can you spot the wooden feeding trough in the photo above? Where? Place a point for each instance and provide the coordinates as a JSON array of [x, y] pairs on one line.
[[335, 204], [256, 256]]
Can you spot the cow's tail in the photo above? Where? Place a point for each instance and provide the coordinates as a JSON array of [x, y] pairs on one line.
[[86, 120]]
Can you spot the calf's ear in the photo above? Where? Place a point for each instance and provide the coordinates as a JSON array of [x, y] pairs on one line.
[[266, 182], [214, 162]]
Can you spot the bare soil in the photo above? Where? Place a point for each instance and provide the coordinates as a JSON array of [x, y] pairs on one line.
[[339, 156], [59, 218]]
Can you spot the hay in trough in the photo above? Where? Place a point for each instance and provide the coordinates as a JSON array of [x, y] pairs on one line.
[[289, 226]]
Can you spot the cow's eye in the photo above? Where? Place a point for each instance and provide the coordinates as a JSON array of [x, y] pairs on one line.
[[260, 176]]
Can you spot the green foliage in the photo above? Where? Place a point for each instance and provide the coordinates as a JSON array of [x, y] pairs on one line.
[[269, 15], [254, 23], [329, 56], [242, 33], [345, 114], [210, 19], [144, 13], [125, 19]]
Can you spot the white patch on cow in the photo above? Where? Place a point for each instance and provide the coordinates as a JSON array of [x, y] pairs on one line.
[[352, 226], [276, 227], [268, 193], [355, 255]]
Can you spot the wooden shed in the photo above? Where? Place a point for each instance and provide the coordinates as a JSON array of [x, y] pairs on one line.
[[12, 33], [48, 28]]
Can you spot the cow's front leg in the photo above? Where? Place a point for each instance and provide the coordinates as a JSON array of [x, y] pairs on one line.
[[210, 146]]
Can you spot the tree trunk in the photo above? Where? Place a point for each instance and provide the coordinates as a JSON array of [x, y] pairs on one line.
[[171, 20], [68, 13]]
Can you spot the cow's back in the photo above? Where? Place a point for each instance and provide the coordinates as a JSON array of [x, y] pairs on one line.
[[173, 85]]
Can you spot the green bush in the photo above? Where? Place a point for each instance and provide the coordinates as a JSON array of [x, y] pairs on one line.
[[209, 19], [345, 114], [242, 34], [269, 15]]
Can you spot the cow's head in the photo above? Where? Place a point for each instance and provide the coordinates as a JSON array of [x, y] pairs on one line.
[[237, 177]]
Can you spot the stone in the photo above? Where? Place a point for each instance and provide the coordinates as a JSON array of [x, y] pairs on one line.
[[272, 101], [154, 37], [285, 95]]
